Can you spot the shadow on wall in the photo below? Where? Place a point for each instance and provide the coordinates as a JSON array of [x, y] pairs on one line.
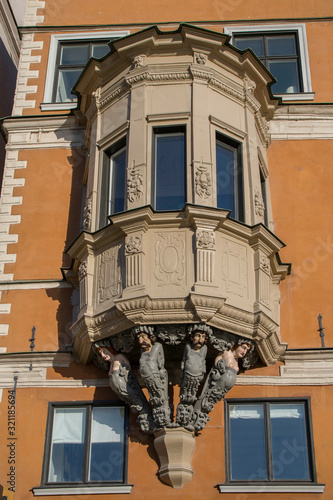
[[8, 74]]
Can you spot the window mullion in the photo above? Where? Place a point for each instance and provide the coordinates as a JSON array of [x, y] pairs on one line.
[[87, 440], [269, 456]]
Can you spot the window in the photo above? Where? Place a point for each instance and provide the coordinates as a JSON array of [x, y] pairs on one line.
[[269, 441], [85, 444], [229, 176], [71, 60], [283, 50], [113, 183], [68, 55], [170, 168]]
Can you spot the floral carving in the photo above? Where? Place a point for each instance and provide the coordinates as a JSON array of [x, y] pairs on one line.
[[133, 245], [171, 335], [200, 58], [203, 182], [82, 273], [134, 185], [259, 205], [87, 213], [205, 239]]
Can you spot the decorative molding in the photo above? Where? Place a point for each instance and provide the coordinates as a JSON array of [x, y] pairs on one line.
[[170, 258], [109, 274], [33, 285], [302, 123], [43, 132], [236, 132]]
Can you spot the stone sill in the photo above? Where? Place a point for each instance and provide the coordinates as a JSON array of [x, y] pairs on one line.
[[82, 490], [272, 488]]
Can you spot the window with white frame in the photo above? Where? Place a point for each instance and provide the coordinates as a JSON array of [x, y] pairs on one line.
[[169, 173], [283, 50], [269, 441], [229, 176], [86, 444], [68, 55]]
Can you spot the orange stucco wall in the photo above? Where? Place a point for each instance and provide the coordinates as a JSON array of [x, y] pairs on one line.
[[300, 182], [50, 212]]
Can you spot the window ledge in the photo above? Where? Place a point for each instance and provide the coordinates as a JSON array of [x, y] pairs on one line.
[[82, 490], [301, 96], [272, 488], [57, 106]]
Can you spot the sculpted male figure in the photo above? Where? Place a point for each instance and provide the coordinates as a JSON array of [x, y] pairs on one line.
[[124, 383], [193, 370], [154, 376]]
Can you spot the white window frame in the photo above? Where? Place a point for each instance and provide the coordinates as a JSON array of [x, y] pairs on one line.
[[47, 104], [307, 94]]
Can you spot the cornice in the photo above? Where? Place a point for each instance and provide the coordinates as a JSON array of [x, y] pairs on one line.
[[297, 122]]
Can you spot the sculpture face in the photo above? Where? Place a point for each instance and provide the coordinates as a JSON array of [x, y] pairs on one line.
[[105, 353], [198, 340], [144, 341], [242, 350]]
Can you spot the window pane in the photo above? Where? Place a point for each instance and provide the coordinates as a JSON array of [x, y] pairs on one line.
[[247, 442], [289, 442], [99, 51], [281, 45], [66, 81], [170, 171], [74, 54], [254, 43], [286, 74], [66, 460], [226, 178], [107, 444], [117, 182]]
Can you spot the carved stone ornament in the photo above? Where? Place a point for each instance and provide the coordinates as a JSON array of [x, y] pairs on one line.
[[171, 335], [133, 244], [170, 259], [205, 239], [264, 264], [109, 276], [259, 205], [87, 213], [134, 185], [82, 272], [249, 85], [203, 182], [139, 61], [200, 58]]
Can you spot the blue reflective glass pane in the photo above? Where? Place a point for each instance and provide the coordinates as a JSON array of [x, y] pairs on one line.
[[247, 443], [286, 74], [117, 191], [170, 172], [226, 181], [289, 442], [66, 462], [74, 54], [66, 81], [254, 43], [281, 45], [99, 51], [107, 444]]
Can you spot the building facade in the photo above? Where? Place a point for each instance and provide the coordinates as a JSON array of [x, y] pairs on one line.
[[166, 243]]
